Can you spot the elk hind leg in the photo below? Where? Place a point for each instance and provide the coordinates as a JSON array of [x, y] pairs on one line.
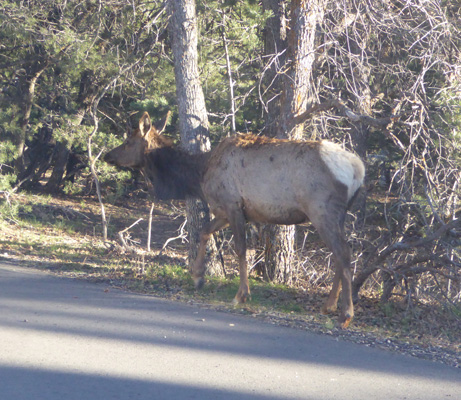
[[237, 225], [331, 304], [343, 277], [198, 268], [332, 232]]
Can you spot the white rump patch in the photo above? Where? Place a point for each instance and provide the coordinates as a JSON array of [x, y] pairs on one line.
[[346, 167]]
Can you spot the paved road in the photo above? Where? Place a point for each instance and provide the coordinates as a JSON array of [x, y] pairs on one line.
[[68, 339]]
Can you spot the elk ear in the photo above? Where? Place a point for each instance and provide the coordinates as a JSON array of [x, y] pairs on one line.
[[162, 124], [145, 124]]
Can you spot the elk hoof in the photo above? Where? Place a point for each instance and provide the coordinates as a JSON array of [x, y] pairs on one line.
[[326, 309], [239, 299], [199, 282], [344, 322]]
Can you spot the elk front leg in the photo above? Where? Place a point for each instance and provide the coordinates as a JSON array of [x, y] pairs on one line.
[[198, 268]]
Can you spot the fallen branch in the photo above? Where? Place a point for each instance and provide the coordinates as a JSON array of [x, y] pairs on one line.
[[182, 235], [149, 227], [378, 259], [453, 225], [125, 245]]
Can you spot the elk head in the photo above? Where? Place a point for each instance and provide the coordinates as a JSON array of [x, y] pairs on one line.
[[132, 151]]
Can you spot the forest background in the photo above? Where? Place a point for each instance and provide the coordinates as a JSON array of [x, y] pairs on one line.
[[385, 82]]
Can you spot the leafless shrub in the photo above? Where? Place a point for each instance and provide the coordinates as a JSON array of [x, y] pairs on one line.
[[398, 64]]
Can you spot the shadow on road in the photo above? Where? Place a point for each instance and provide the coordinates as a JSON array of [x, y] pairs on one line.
[[42, 304], [104, 388]]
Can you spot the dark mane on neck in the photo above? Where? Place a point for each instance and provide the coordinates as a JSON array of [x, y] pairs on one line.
[[175, 174]]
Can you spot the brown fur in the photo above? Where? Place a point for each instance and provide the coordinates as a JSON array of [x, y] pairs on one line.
[[253, 178], [246, 140]]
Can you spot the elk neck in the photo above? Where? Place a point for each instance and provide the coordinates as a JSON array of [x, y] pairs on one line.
[[174, 173]]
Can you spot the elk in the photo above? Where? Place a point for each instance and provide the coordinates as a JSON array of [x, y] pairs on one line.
[[249, 178]]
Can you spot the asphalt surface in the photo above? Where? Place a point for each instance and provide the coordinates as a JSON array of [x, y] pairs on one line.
[[68, 339]]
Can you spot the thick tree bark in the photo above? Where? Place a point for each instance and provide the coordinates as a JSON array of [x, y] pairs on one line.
[[297, 87], [278, 241], [275, 47], [193, 118]]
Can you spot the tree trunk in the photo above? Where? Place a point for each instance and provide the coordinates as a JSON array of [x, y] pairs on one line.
[[61, 156], [279, 250], [275, 46], [193, 118], [59, 160], [297, 86], [38, 154], [26, 96]]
